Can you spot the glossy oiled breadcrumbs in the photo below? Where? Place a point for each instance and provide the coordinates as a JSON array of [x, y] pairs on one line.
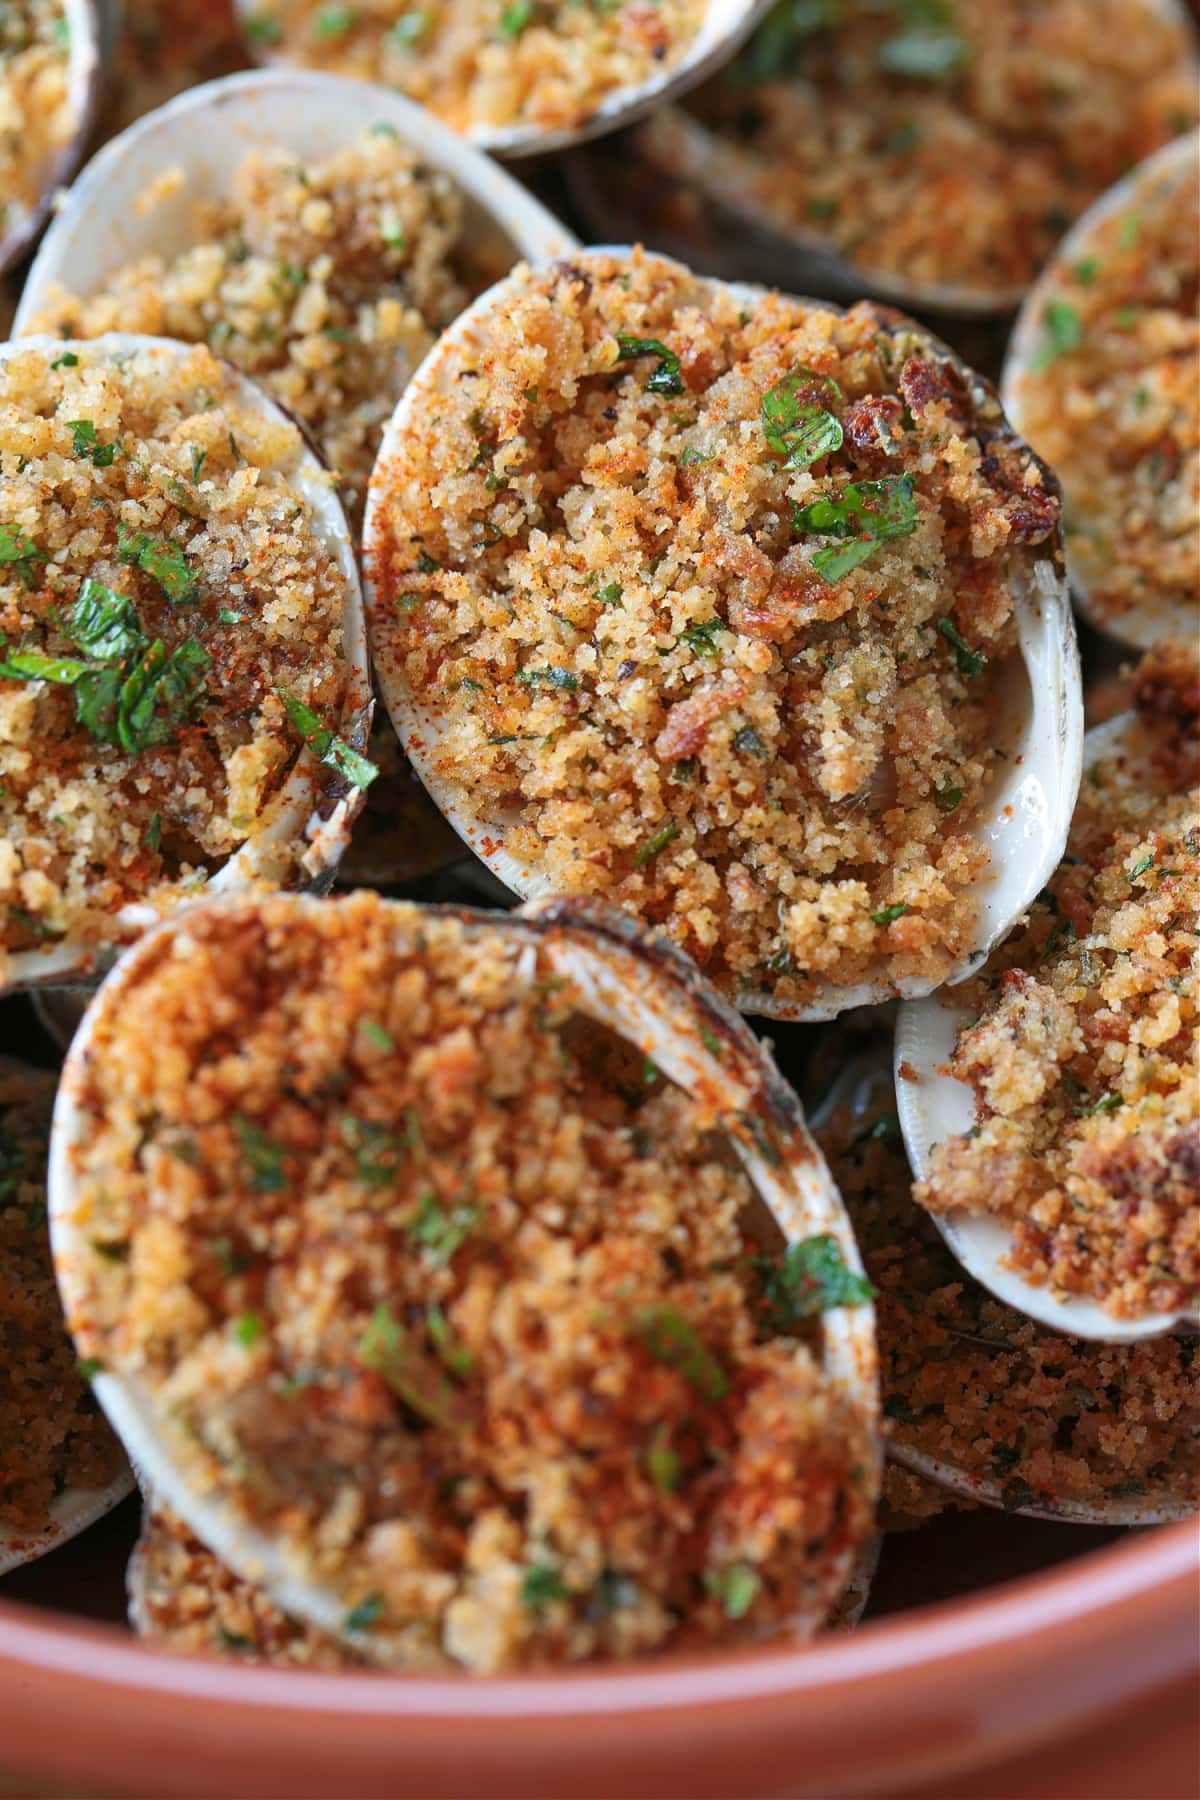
[[483, 64], [451, 1291], [1112, 399], [949, 144], [1083, 1059], [36, 116], [52, 1434], [326, 282], [657, 678], [143, 730], [1045, 1419]]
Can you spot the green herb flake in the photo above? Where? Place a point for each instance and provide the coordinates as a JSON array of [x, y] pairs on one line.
[[377, 1035], [516, 18], [392, 231], [970, 662], [654, 845], [540, 1586], [610, 595], [367, 1613], [164, 562], [666, 378], [68, 360], [88, 1367], [1062, 332], [325, 744], [671, 1339], [549, 678], [84, 444], [262, 1156], [699, 637], [800, 431], [869, 513], [748, 743], [153, 837], [452, 1351], [692, 458], [663, 1465], [1085, 272], [734, 1588], [408, 30], [248, 1330], [887, 915], [947, 799], [20, 553], [442, 1230], [263, 28], [811, 1278], [1143, 865], [333, 21], [712, 1044], [199, 458], [386, 1349]]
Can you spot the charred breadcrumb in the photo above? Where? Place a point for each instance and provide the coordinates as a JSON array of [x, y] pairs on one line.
[[452, 1290], [152, 535], [739, 684], [37, 119], [952, 150], [482, 64], [325, 283], [1113, 401], [1083, 1057], [1042, 1417], [52, 1433]]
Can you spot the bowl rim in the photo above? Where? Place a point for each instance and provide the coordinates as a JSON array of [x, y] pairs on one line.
[[1145, 1577]]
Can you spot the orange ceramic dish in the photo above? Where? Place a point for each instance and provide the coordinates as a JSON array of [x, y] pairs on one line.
[[1076, 1683]]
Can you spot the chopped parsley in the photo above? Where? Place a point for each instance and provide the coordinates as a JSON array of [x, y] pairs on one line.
[[799, 431], [663, 1464], [199, 458], [386, 1349], [68, 360], [734, 1587], [153, 837], [947, 799], [692, 458], [550, 678], [89, 1367], [540, 1585], [333, 21], [610, 595], [666, 378], [325, 744], [262, 28], [377, 1035], [453, 1353], [262, 1156], [165, 562], [868, 513], [408, 30], [670, 1338], [699, 637], [748, 743], [887, 915], [368, 1612], [1142, 867], [20, 553], [810, 1278], [659, 841], [84, 444], [516, 18], [248, 1329], [970, 662], [1062, 330], [442, 1230]]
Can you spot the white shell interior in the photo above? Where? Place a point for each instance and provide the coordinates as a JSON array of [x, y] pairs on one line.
[[658, 1013], [289, 815], [725, 24], [85, 55], [860, 1085], [1025, 816], [936, 1105], [1154, 618], [208, 131]]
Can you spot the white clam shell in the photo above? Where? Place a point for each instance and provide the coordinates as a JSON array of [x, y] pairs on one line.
[[209, 130], [934, 1106], [1023, 820], [675, 146], [860, 1085], [625, 979], [724, 26], [89, 49], [290, 816], [1154, 618]]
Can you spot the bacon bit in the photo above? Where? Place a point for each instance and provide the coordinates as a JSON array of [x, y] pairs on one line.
[[688, 721]]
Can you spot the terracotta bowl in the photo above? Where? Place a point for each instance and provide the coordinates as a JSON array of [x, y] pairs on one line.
[[1076, 1682]]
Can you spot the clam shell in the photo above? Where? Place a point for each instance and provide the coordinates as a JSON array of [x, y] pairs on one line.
[[726, 229], [209, 130], [859, 1086], [650, 993], [933, 1105], [1027, 812], [1153, 619], [90, 48], [726, 23], [313, 805]]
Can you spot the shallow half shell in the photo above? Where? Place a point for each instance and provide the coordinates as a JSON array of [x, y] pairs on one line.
[[1023, 821], [862, 1086], [90, 47], [1153, 619], [726, 23], [208, 131], [654, 997], [314, 806], [934, 1105]]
